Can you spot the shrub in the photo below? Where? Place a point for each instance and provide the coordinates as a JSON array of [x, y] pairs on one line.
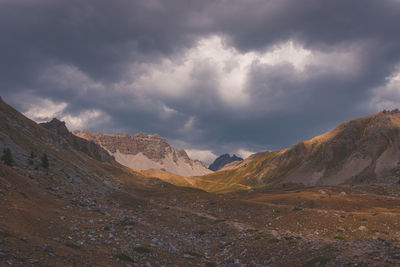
[[123, 257], [7, 157], [142, 250], [339, 238], [45, 161], [320, 260]]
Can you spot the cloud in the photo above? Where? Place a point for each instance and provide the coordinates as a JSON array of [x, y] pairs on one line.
[[388, 95], [43, 110], [217, 76], [87, 119], [206, 156], [243, 153]]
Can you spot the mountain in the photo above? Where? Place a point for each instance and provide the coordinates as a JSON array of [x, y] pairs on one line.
[[82, 210], [88, 147], [146, 151], [223, 160], [364, 150]]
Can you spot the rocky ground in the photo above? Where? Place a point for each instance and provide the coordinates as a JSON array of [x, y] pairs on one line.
[[51, 224]]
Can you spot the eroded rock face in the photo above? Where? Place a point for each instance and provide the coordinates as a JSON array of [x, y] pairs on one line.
[[68, 139], [145, 151], [56, 126]]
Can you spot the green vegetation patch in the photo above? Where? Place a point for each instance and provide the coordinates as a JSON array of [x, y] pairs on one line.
[[339, 238], [202, 232], [4, 234], [123, 257], [72, 245], [211, 264], [291, 189], [321, 260], [142, 250], [274, 240], [194, 254]]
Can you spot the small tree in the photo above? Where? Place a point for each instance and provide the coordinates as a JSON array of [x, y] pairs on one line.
[[7, 157], [45, 161], [30, 160]]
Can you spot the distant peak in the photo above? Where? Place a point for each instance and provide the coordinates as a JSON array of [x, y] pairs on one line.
[[222, 160]]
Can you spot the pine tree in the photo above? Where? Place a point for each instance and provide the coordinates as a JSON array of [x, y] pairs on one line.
[[45, 161], [7, 157]]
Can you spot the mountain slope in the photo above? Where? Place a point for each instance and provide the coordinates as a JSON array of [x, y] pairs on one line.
[[88, 147], [223, 160], [364, 150], [85, 212], [145, 151]]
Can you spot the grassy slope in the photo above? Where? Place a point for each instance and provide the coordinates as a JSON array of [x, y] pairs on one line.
[[368, 137]]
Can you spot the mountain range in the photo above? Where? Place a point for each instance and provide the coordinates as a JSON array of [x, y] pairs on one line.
[[84, 208], [146, 151]]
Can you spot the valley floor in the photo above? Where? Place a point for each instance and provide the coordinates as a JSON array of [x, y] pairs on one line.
[[163, 225]]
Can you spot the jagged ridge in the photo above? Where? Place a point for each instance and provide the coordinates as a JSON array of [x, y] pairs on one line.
[[223, 160], [146, 151]]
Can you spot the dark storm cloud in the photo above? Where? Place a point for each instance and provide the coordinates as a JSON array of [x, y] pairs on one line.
[[104, 56]]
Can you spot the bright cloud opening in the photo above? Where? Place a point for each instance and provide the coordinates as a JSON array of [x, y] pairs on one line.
[[206, 156], [243, 153], [387, 96], [44, 110]]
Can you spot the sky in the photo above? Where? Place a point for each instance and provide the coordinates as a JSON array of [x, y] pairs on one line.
[[211, 76]]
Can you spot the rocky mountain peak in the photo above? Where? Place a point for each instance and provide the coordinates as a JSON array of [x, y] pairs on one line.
[[56, 126], [152, 146], [145, 151], [223, 160]]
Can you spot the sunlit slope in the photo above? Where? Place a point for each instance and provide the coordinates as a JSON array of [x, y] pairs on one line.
[[171, 178], [364, 150]]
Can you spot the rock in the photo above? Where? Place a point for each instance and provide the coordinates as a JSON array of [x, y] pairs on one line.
[[343, 193], [187, 256], [48, 248], [74, 229], [275, 233], [362, 228], [127, 221], [223, 160], [376, 235], [151, 146]]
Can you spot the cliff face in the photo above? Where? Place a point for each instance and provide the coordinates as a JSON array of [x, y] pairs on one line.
[[146, 151], [223, 160], [88, 147]]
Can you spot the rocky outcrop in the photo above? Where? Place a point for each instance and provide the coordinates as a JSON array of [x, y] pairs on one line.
[[56, 126], [146, 151], [223, 160], [88, 147]]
